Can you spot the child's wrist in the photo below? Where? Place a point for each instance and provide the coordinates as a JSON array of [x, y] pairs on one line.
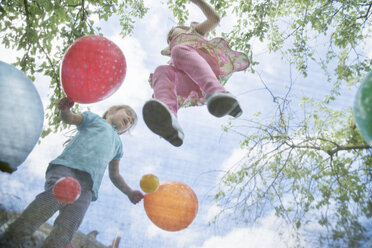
[[128, 192]]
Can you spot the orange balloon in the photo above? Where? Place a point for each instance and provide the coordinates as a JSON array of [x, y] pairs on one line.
[[172, 207]]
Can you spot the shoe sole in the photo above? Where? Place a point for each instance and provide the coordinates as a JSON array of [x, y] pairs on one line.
[[236, 112], [222, 105], [159, 121]]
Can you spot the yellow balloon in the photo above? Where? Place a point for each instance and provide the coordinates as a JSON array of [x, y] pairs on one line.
[[149, 183]]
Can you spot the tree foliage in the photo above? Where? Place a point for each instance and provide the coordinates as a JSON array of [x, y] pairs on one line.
[[311, 162], [313, 168], [42, 30], [293, 27], [308, 164]]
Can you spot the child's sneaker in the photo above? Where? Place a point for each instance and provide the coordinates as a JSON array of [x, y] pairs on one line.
[[162, 121], [236, 112], [222, 103]]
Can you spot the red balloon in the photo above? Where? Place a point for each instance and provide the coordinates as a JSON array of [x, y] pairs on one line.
[[172, 207], [67, 190], [92, 69]]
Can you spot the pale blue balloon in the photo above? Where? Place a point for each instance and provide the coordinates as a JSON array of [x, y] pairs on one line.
[[21, 117]]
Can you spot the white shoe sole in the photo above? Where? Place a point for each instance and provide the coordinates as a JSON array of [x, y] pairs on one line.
[[159, 120]]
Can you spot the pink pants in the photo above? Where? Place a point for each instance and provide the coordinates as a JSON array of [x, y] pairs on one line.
[[193, 70]]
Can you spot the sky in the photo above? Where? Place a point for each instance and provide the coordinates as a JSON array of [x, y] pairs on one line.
[[207, 151]]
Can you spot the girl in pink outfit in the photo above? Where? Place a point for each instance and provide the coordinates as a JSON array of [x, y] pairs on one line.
[[196, 74]]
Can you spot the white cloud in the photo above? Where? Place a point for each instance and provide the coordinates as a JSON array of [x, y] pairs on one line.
[[270, 232], [38, 160], [178, 239], [13, 189], [236, 156], [242, 238], [151, 166], [368, 47], [212, 212], [9, 55], [135, 83]]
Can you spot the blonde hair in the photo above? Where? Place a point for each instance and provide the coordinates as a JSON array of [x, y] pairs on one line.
[[130, 112], [186, 28]]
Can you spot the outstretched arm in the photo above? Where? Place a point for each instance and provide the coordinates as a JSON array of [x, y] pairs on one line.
[[134, 195], [64, 105], [212, 17]]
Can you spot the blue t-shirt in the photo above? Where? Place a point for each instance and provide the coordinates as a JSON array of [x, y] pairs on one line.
[[92, 148]]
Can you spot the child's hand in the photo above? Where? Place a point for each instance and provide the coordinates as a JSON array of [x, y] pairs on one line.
[[65, 104], [135, 196]]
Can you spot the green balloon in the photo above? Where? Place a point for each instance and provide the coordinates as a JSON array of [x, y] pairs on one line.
[[363, 108]]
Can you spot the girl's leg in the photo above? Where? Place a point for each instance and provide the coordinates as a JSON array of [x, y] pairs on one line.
[[71, 215], [188, 60], [164, 85], [160, 114], [68, 221], [199, 69], [37, 212], [169, 82]]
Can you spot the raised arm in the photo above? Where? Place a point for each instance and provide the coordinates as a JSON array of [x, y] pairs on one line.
[[64, 105], [134, 195], [212, 17]]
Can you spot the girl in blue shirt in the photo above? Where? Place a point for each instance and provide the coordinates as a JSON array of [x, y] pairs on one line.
[[85, 158]]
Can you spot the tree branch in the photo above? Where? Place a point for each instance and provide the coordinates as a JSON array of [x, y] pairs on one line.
[[83, 10], [345, 148], [26, 11], [365, 17]]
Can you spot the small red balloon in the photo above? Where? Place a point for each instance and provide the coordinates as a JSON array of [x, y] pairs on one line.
[[67, 190], [93, 68]]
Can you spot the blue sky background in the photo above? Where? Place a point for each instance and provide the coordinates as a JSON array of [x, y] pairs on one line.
[[207, 150]]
